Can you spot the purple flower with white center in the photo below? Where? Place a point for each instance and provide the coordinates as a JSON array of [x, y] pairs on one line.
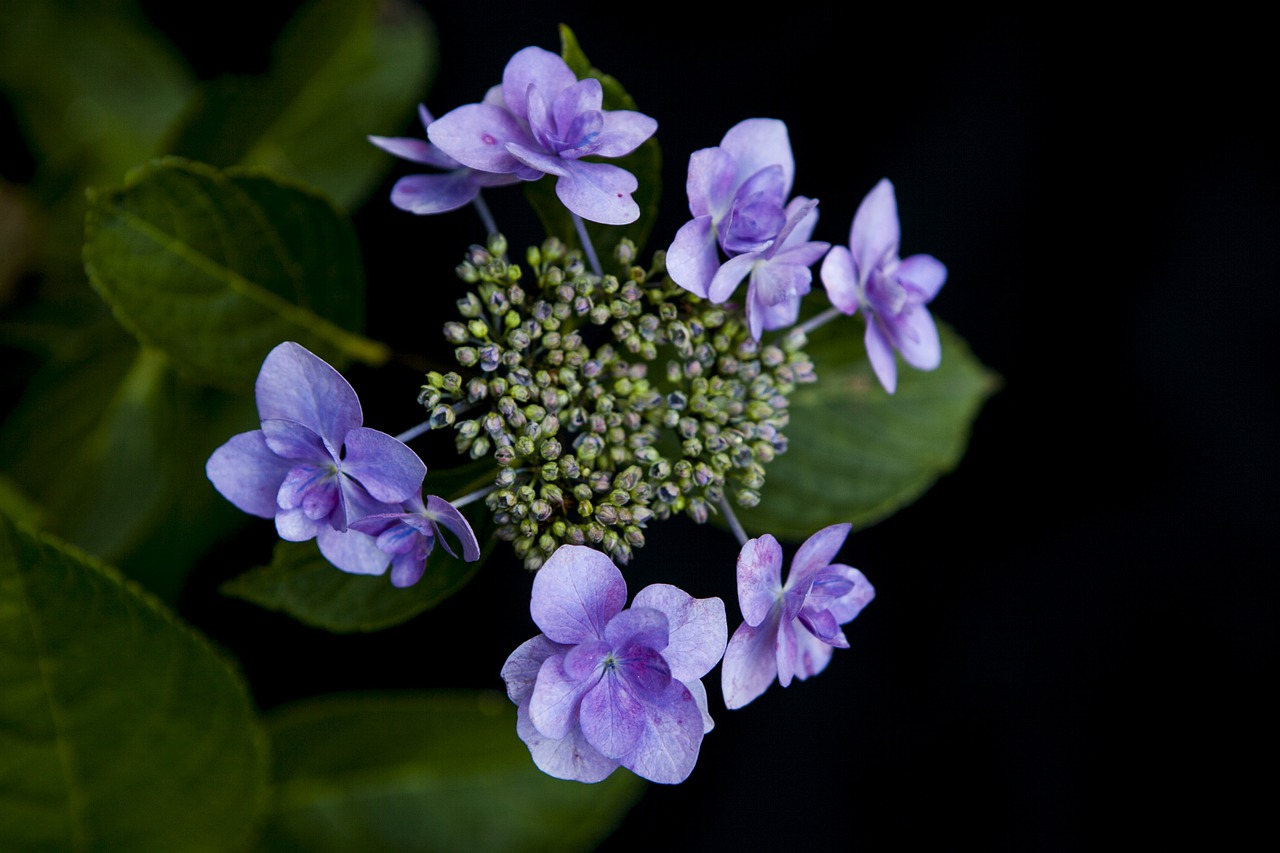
[[409, 536], [603, 687], [790, 629], [456, 186], [892, 292], [543, 121], [312, 466]]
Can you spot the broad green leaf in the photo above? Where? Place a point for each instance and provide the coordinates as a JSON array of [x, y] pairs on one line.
[[426, 772], [645, 163], [301, 583], [216, 268], [120, 727], [341, 70], [856, 453]]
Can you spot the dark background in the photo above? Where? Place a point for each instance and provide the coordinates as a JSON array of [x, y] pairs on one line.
[[1073, 636]]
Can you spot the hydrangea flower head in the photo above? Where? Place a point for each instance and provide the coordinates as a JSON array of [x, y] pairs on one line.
[[892, 292], [542, 121], [408, 537], [453, 187], [789, 630], [602, 686], [313, 466]]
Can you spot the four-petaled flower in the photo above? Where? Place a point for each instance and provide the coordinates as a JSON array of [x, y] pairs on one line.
[[790, 629], [455, 186], [410, 535], [893, 293], [312, 466], [602, 686], [542, 121]]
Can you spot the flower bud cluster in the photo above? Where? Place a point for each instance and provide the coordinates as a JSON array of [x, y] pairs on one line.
[[607, 402]]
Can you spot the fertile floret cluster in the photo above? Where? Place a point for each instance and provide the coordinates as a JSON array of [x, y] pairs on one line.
[[607, 401]]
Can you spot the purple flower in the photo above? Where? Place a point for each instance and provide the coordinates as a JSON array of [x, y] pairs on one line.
[[312, 466], [790, 629], [409, 536], [738, 197], [892, 292], [602, 686], [435, 193], [543, 121]]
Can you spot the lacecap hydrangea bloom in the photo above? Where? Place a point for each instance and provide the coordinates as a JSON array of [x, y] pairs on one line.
[[892, 292], [543, 120], [602, 686], [789, 630]]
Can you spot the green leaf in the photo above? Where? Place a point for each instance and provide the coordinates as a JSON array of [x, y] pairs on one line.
[[120, 727], [858, 454], [645, 163], [426, 772], [216, 268], [341, 70], [301, 583]]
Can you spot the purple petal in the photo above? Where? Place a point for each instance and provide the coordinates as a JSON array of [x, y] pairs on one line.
[[293, 525], [612, 717], [759, 142], [880, 353], [315, 490], [750, 663], [816, 554], [916, 337], [644, 668], [639, 625], [700, 696], [538, 68], [711, 183], [810, 655], [384, 465], [296, 385], [576, 110], [430, 194], [476, 135], [598, 192], [730, 275], [444, 514], [786, 651], [822, 624], [859, 595], [761, 315], [414, 150], [247, 473], [924, 274], [537, 160], [759, 578], [693, 258], [697, 629], [672, 734], [576, 593], [352, 551], [408, 569], [776, 281], [624, 131], [292, 440], [521, 668], [569, 757], [840, 280], [556, 698], [875, 232], [585, 658]]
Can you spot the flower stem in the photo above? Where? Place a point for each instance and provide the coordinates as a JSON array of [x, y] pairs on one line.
[[486, 217], [819, 320], [413, 432], [587, 245], [471, 497], [734, 524]]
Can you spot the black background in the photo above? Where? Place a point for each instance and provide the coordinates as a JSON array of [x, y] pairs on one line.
[[1073, 637]]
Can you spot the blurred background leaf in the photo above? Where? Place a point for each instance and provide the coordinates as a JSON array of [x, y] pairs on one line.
[[120, 727], [426, 772]]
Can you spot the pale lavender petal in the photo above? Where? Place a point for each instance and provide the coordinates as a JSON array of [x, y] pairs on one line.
[[384, 465], [692, 259], [875, 232], [924, 274], [624, 131], [556, 698], [700, 696], [750, 663], [840, 280], [816, 554], [730, 275], [598, 192], [429, 194], [786, 650], [534, 66], [802, 217], [777, 281], [759, 142], [810, 654], [804, 254], [762, 316], [672, 734], [642, 625], [541, 122], [247, 473], [711, 182], [444, 514], [576, 104], [916, 337], [860, 594], [697, 628], [569, 757], [292, 440], [538, 160], [414, 150], [315, 490], [612, 717], [296, 385], [293, 525], [880, 353], [575, 594], [759, 578], [757, 214], [583, 659], [407, 569], [476, 135], [521, 668], [352, 551]]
